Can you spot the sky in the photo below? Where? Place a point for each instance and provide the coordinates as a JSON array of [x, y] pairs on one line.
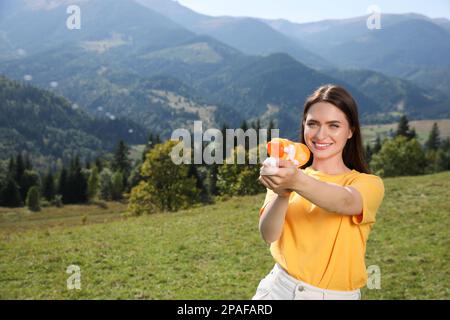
[[307, 10]]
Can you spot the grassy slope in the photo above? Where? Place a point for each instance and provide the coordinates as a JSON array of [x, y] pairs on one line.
[[215, 252], [13, 220]]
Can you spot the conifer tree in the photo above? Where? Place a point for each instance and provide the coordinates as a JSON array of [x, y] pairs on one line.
[[434, 140], [48, 187], [10, 195], [63, 188], [404, 130], [121, 161], [93, 183]]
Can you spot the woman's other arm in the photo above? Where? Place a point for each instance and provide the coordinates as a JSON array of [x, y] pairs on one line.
[[272, 218]]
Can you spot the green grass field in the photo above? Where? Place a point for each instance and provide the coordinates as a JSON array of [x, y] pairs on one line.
[[211, 252]]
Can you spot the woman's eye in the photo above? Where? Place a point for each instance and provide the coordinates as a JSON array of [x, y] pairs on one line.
[[335, 126], [311, 124]]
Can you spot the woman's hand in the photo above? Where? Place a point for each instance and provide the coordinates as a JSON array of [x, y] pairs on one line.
[[282, 179]]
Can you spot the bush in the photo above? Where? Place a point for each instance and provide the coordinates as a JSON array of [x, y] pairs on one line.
[[141, 201], [437, 161], [29, 179], [57, 201], [399, 157], [166, 186], [106, 184], [33, 199], [117, 186], [239, 179], [93, 183], [443, 160]]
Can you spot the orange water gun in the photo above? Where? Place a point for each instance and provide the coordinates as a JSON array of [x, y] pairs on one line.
[[285, 149]]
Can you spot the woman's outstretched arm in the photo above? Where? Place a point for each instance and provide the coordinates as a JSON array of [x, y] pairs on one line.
[[331, 197]]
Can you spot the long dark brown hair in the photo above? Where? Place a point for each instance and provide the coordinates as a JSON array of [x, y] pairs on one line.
[[353, 153]]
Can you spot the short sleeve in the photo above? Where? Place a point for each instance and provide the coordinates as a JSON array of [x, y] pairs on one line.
[[270, 195], [371, 189]]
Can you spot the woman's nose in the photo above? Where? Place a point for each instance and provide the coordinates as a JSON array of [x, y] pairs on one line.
[[321, 133]]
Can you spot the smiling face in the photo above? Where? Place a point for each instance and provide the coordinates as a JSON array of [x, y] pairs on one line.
[[326, 131]]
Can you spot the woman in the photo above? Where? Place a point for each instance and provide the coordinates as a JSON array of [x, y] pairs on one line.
[[317, 219]]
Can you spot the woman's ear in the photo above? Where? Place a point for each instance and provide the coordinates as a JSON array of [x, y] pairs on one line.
[[350, 135]]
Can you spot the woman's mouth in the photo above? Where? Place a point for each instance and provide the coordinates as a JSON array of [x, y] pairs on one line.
[[321, 146]]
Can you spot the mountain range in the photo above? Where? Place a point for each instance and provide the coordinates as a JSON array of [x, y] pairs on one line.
[[410, 46], [161, 65], [48, 127]]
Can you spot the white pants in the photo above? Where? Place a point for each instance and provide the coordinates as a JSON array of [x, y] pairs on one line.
[[279, 285]]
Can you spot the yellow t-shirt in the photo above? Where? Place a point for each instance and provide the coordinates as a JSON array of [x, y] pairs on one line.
[[326, 249]]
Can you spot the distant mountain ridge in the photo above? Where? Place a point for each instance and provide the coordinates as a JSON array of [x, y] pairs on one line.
[[248, 35], [411, 46], [139, 64], [41, 123]]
